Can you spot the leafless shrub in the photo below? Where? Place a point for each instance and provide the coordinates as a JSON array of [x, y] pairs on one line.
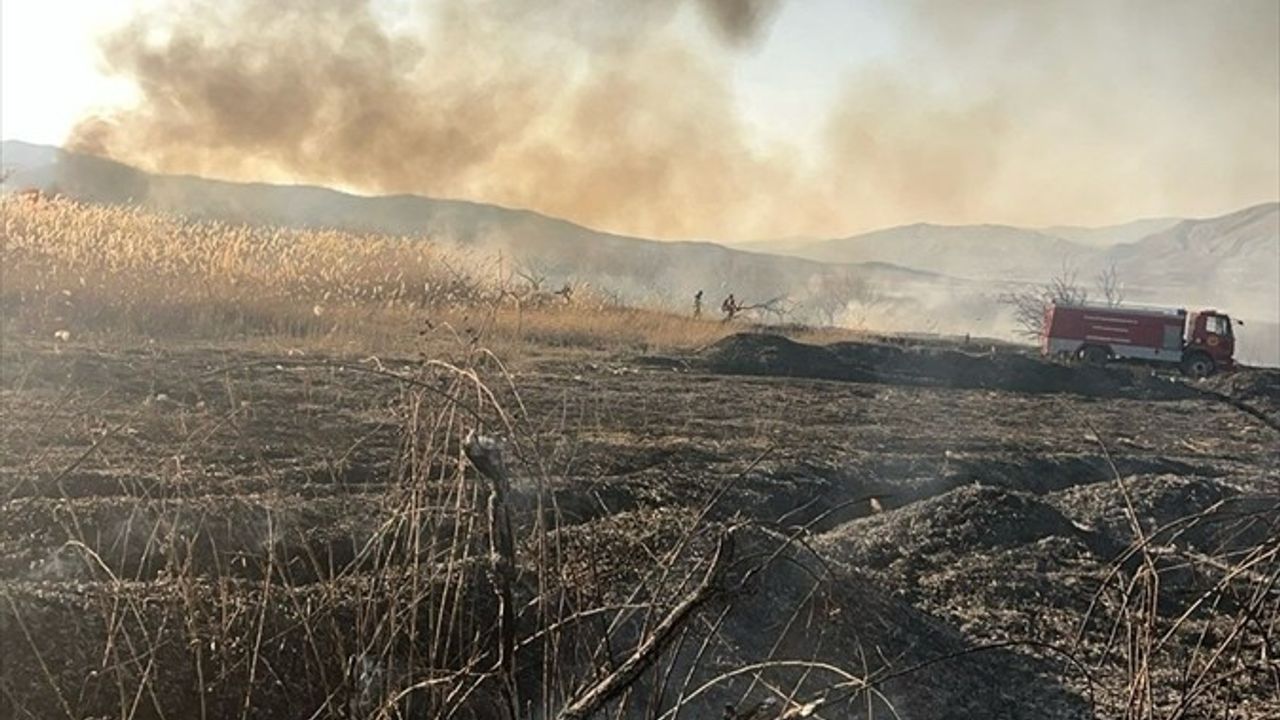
[[1145, 613], [843, 298], [1110, 286], [776, 309], [1029, 304]]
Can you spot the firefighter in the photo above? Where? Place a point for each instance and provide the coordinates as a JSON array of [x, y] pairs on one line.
[[729, 307], [697, 304]]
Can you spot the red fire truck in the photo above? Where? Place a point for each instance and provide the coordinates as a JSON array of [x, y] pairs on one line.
[[1200, 343]]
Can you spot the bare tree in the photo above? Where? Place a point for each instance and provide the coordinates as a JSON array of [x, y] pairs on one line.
[[862, 298], [777, 308], [530, 291], [843, 293], [1030, 303], [533, 274], [826, 299], [1109, 285]]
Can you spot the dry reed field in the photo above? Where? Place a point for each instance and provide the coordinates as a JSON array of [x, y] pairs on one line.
[[263, 473], [79, 268]]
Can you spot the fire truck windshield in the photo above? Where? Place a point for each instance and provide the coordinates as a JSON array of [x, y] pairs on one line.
[[1217, 325]]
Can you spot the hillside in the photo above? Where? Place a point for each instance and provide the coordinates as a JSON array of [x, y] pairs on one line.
[[1109, 235], [972, 251], [634, 268], [1240, 249], [1234, 253]]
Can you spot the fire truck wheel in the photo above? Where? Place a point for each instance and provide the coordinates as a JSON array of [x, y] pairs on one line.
[[1093, 355], [1198, 365]]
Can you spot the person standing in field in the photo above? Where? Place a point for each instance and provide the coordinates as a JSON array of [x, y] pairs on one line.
[[697, 304], [729, 307]]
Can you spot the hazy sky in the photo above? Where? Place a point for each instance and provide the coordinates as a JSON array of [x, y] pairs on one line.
[[806, 117], [783, 83]]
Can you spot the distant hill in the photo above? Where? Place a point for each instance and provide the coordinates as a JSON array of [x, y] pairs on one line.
[[1233, 249], [1211, 260], [1231, 260], [972, 251], [1090, 237], [1109, 235], [1241, 248]]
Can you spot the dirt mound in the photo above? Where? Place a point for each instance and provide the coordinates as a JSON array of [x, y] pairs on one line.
[[800, 609], [984, 560], [1002, 565], [205, 537], [1201, 513], [1041, 473], [762, 354], [1255, 387], [969, 518], [1250, 384], [195, 637]]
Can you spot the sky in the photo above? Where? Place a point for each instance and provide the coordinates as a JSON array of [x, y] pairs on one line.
[[57, 37], [796, 69], [808, 117]]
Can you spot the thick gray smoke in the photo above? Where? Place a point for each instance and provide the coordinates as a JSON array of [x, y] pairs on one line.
[[588, 110], [617, 115]]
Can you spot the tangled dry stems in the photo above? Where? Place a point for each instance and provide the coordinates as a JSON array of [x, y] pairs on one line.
[[451, 607], [78, 268], [1234, 603]]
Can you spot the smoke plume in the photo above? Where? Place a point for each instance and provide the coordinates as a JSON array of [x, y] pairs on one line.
[[616, 115]]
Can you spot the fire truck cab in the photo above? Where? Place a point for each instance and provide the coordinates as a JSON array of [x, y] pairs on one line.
[[1200, 343]]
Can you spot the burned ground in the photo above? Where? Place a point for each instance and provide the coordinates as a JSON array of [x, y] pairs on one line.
[[990, 366], [194, 531]]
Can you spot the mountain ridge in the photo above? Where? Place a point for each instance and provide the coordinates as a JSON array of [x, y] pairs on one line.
[[1244, 244]]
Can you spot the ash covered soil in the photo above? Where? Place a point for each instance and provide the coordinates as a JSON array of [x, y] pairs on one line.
[[186, 531]]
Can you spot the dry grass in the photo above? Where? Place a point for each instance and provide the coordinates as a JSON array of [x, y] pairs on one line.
[[76, 269]]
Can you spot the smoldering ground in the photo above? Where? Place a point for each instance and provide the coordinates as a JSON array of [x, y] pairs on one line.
[[623, 115]]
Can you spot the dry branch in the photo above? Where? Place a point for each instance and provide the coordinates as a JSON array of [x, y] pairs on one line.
[[485, 454], [595, 697]]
